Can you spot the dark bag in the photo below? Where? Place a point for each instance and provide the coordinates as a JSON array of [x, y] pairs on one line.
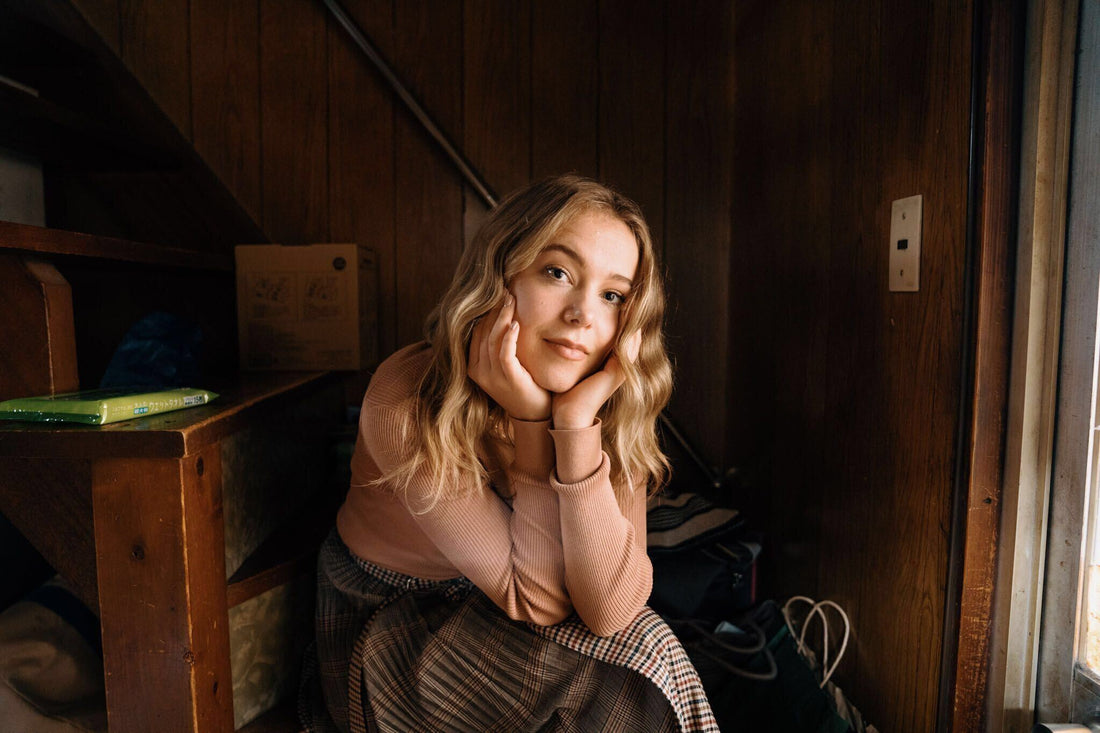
[[756, 679], [704, 563]]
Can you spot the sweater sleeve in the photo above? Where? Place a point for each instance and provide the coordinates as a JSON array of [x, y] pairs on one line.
[[513, 555], [607, 571]]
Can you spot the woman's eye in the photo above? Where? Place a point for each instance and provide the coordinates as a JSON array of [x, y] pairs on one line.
[[556, 272], [614, 298]]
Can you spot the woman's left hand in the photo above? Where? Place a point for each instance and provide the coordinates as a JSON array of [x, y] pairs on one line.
[[578, 407]]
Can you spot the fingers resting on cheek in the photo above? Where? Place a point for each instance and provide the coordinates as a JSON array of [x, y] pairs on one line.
[[494, 367]]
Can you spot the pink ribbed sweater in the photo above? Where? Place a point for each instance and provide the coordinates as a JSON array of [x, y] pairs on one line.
[[555, 548]]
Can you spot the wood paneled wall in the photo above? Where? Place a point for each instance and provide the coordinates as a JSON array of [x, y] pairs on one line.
[[302, 129], [845, 396], [765, 141]]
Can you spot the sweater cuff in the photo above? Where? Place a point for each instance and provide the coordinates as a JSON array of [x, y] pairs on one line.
[[578, 453], [534, 448], [580, 488]]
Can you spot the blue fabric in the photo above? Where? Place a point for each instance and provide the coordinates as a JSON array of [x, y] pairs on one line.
[[159, 351]]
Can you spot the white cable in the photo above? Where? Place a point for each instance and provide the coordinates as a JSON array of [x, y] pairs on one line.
[[817, 608], [801, 646], [843, 645]]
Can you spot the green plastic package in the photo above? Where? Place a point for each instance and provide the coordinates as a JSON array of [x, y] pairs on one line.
[[101, 406]]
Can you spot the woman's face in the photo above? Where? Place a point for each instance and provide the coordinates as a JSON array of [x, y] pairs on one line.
[[569, 301]]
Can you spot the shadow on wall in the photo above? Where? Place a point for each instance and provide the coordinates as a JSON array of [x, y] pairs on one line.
[[24, 568]]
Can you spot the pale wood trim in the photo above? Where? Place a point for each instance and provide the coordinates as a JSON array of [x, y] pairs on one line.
[[1066, 692], [1048, 93]]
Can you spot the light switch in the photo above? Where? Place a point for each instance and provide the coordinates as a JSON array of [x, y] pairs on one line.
[[905, 232]]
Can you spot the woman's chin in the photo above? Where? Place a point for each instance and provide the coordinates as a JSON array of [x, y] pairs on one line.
[[557, 383]]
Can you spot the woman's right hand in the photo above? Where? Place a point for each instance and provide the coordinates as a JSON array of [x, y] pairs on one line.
[[494, 367]]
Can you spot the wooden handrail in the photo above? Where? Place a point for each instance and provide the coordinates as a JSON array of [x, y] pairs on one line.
[[28, 238]]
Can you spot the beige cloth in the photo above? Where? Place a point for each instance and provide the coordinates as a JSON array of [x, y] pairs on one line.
[[51, 680]]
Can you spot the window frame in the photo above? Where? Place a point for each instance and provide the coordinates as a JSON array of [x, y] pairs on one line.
[[1028, 595], [1067, 690]]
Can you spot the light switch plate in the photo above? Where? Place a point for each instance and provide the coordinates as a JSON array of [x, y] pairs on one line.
[[905, 235]]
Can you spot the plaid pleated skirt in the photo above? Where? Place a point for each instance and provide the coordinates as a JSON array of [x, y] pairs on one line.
[[398, 653]]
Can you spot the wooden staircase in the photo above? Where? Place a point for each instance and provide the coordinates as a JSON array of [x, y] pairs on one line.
[[131, 513]]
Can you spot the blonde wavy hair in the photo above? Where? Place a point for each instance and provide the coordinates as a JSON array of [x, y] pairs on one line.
[[454, 417]]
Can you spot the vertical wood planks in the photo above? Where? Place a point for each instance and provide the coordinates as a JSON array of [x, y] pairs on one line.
[[294, 132], [155, 45], [632, 104], [565, 88], [103, 15], [428, 190], [697, 215], [160, 557], [777, 293], [855, 489], [497, 92], [854, 492], [845, 396], [895, 484], [225, 81], [361, 152], [927, 110], [497, 99]]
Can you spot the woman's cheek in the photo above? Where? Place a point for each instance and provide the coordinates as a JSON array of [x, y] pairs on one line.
[[519, 294], [609, 334], [527, 309]]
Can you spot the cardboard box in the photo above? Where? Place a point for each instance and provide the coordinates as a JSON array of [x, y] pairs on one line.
[[307, 307]]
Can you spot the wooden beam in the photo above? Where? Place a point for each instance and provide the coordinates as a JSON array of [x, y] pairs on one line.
[[999, 37], [160, 556], [39, 355]]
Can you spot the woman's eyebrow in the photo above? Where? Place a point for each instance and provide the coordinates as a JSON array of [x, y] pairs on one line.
[[576, 257], [567, 251]]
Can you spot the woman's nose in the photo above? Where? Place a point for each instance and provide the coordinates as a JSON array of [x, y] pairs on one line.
[[579, 311]]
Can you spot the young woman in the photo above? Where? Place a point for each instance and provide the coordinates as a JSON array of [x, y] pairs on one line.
[[488, 568]]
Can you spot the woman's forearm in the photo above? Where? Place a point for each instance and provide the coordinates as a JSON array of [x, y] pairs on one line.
[[607, 572]]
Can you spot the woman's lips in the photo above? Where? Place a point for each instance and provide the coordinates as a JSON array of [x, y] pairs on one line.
[[567, 349]]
